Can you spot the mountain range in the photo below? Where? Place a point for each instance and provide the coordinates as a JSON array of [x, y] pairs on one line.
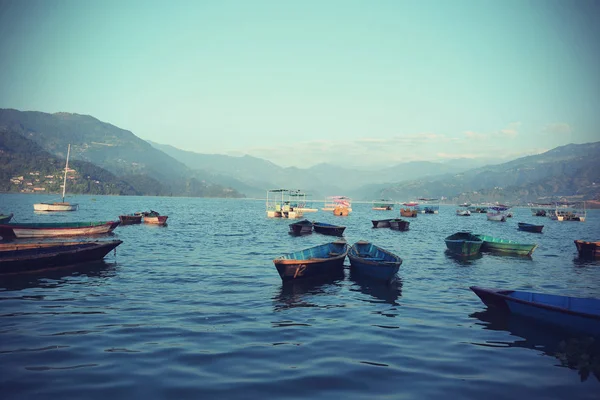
[[135, 166]]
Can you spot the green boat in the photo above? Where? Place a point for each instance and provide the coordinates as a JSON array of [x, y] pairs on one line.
[[506, 246], [463, 244]]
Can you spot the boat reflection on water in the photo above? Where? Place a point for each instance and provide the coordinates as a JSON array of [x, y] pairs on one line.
[[307, 292], [586, 262], [58, 276], [574, 351], [380, 291], [462, 260]]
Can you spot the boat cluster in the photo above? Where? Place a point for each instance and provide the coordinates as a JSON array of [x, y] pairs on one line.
[[27, 247]]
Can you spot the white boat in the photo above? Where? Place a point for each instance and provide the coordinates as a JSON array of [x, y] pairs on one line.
[[568, 212], [59, 206], [333, 202], [497, 214], [299, 202], [278, 204], [463, 212], [428, 206]]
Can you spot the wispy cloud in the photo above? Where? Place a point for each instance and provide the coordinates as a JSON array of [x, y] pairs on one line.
[[558, 128]]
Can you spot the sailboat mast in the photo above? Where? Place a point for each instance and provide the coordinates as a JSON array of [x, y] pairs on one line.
[[66, 168]]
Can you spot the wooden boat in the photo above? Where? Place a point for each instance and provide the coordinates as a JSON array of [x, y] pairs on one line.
[[574, 313], [505, 246], [322, 260], [398, 224], [301, 227], [383, 205], [62, 205], [409, 211], [530, 227], [153, 217], [328, 229], [463, 212], [130, 219], [463, 244], [4, 219], [332, 202], [497, 214], [39, 230], [381, 223], [373, 261], [28, 257], [588, 249]]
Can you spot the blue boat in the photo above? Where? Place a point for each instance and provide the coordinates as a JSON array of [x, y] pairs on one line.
[[574, 313], [463, 244], [328, 229], [530, 227], [373, 261], [301, 227], [325, 259]]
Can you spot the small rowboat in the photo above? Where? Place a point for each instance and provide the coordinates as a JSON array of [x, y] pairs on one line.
[[5, 219], [322, 260], [506, 246], [399, 224], [530, 227], [131, 219], [39, 230], [373, 261], [588, 249], [575, 313], [28, 257], [463, 244], [153, 217], [381, 223], [328, 229], [301, 227]]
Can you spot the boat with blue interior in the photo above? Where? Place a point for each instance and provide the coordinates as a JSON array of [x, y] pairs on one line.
[[322, 260], [373, 261], [428, 206]]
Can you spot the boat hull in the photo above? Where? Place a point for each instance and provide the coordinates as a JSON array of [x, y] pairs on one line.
[[5, 219], [588, 249], [381, 223], [55, 230], [15, 259], [496, 217], [463, 244], [409, 213], [530, 227], [572, 313], [369, 260], [399, 225], [318, 261], [156, 220], [55, 207], [130, 219], [504, 246], [301, 228], [327, 229]]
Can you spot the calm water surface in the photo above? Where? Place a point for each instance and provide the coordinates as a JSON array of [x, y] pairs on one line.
[[197, 310]]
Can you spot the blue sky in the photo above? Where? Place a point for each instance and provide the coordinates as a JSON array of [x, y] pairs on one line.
[[298, 83]]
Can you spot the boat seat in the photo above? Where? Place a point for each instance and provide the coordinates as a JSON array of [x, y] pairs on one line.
[[374, 258], [334, 254]]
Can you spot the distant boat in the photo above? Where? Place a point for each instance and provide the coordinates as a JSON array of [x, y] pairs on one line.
[[373, 261], [383, 205], [301, 227], [59, 206], [153, 217], [530, 227], [322, 260], [4, 219], [464, 212], [428, 206], [497, 214], [573, 313], [328, 229], [506, 246], [410, 211], [588, 249], [54, 229], [130, 219], [339, 202], [398, 224], [26, 257], [463, 244], [381, 223]]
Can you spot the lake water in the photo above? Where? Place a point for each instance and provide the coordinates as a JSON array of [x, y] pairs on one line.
[[196, 309]]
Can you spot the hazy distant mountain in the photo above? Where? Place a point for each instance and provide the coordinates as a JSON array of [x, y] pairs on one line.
[[109, 147]]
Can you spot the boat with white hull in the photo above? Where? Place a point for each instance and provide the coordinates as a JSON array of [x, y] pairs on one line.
[[59, 206], [42, 230]]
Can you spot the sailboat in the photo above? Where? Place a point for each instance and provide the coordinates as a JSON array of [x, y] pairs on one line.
[[62, 206]]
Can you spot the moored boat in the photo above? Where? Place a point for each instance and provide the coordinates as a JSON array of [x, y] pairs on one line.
[[398, 224], [153, 217], [62, 205], [588, 249], [328, 229], [463, 244], [301, 227], [463, 212], [383, 205], [322, 260], [54, 229], [573, 313], [381, 223], [506, 246], [373, 261], [5, 219], [428, 206], [409, 210], [530, 227], [333, 202], [27, 257], [497, 214], [130, 219]]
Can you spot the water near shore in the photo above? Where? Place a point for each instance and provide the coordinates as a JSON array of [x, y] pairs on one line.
[[197, 310]]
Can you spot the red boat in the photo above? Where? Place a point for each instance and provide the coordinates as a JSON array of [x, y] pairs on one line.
[[588, 249]]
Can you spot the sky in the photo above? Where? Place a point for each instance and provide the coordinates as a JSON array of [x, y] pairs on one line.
[[352, 83]]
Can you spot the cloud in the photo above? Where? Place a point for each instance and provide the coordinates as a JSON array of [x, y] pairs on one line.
[[475, 135], [558, 128]]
